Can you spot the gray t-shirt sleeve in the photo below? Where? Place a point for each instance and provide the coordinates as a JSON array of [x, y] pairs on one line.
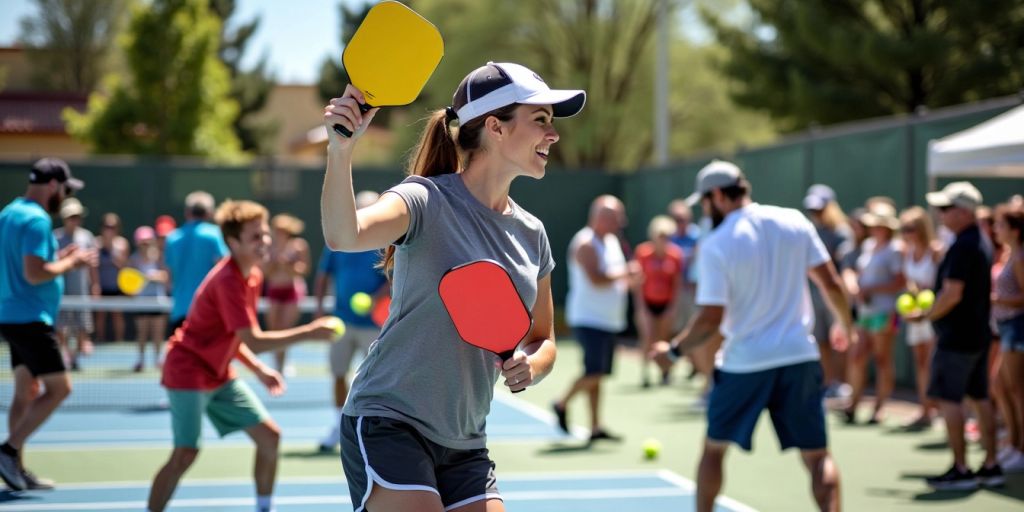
[[413, 190], [547, 263]]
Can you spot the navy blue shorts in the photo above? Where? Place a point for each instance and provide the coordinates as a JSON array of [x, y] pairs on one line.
[[394, 455], [598, 349], [792, 394]]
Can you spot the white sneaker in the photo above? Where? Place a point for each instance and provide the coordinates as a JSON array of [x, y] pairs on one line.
[[332, 439], [1004, 453], [1013, 463]]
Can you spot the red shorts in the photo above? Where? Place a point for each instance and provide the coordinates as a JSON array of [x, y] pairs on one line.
[[287, 294]]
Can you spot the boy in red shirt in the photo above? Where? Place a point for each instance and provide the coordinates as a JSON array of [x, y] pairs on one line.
[[221, 327]]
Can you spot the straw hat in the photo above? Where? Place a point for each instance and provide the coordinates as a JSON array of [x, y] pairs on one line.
[[881, 215], [71, 207], [288, 224]]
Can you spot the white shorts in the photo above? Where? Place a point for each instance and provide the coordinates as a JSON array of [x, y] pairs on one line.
[[343, 350], [919, 332]]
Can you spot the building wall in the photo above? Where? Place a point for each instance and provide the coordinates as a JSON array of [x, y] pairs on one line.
[[32, 146]]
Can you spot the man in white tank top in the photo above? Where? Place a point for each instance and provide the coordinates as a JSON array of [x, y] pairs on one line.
[[596, 305], [752, 287]]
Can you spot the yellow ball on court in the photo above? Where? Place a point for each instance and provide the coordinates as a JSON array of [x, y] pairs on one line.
[[337, 325], [652, 448], [905, 304], [926, 299], [360, 303]]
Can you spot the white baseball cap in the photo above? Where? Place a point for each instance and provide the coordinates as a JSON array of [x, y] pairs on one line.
[[717, 174], [500, 84], [958, 193]]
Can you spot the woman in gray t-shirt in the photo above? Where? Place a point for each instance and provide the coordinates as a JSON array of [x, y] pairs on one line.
[[413, 430], [879, 280]]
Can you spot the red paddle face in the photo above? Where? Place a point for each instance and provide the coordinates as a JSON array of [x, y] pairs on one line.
[[485, 306]]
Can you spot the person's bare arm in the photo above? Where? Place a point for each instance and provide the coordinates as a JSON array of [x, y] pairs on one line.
[[951, 294], [586, 256], [540, 351], [259, 340]]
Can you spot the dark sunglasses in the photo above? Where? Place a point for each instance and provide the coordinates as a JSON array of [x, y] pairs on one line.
[[946, 208]]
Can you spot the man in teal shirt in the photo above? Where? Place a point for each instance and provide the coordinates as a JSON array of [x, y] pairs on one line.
[[31, 284], [191, 251]]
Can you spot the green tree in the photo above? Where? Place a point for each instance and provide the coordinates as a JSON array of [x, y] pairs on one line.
[[811, 62], [174, 98], [250, 88], [333, 77], [68, 42]]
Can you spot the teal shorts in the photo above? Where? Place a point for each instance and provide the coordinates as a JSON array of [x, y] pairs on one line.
[[230, 407], [878, 322]]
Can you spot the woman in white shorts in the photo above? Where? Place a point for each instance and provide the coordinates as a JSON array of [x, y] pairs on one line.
[[920, 262]]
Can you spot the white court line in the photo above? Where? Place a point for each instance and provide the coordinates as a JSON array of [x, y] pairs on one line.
[[545, 416], [683, 487], [561, 495], [160, 434]]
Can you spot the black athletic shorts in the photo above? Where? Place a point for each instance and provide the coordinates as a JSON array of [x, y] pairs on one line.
[[35, 346], [394, 455]]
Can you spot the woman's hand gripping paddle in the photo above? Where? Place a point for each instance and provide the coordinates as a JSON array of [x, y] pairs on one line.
[[485, 307]]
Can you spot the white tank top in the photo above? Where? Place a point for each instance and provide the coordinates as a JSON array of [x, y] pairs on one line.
[[922, 272], [589, 305]]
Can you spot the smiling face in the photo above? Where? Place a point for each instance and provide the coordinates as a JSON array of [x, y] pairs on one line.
[[530, 137], [253, 243]]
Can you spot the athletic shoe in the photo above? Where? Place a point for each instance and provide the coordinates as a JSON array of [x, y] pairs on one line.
[[35, 483], [1014, 463], [1004, 454], [953, 480], [332, 439], [991, 476], [563, 420], [601, 434], [10, 471], [921, 423]]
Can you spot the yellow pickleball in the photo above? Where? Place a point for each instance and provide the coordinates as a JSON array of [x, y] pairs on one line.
[[652, 448], [926, 299], [361, 303], [905, 304], [337, 325]]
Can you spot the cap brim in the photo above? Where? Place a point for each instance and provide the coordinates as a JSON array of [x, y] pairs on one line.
[[814, 203], [937, 199], [692, 199], [564, 102], [75, 184]]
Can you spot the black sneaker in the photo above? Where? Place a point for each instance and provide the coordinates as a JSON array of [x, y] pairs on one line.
[[954, 480], [563, 420], [991, 476], [603, 435], [10, 471], [35, 483]]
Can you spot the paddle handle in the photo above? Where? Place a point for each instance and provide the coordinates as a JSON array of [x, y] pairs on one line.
[[505, 356], [344, 132]]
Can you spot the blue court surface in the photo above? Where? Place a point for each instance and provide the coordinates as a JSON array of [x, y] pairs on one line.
[[510, 421], [661, 491]]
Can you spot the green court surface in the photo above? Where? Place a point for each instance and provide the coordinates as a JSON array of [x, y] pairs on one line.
[[881, 467]]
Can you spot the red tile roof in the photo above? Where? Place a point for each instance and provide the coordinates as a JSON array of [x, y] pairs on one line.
[[36, 112]]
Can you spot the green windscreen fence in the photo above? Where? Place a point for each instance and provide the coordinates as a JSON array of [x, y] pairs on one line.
[[860, 160]]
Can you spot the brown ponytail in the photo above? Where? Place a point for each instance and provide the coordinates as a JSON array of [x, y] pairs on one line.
[[438, 152]]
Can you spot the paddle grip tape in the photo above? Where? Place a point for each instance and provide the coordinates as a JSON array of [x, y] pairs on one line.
[[505, 356], [364, 108]]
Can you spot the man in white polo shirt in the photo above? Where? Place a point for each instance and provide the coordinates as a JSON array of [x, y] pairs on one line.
[[752, 286]]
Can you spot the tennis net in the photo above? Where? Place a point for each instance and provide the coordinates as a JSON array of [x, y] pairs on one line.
[[106, 378]]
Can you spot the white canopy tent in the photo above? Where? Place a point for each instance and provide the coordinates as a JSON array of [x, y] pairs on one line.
[[992, 149]]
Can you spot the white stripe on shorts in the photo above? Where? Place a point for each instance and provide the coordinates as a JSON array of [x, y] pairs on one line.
[[376, 479]]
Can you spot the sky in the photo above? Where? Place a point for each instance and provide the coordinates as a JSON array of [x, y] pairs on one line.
[[296, 36]]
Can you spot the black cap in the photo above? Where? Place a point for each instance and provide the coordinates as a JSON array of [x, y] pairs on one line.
[[49, 169]]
